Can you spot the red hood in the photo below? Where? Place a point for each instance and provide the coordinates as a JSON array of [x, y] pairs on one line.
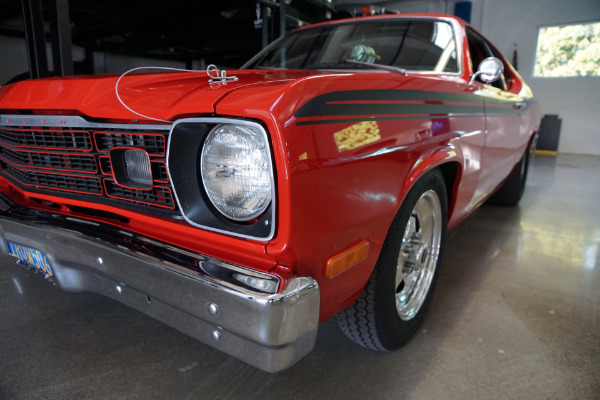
[[162, 96]]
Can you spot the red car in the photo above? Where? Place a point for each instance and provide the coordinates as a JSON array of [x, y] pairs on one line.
[[244, 207]]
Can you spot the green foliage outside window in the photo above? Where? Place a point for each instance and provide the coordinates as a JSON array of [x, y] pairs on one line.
[[570, 50]]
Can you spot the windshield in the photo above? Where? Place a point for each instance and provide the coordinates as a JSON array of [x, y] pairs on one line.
[[415, 45]]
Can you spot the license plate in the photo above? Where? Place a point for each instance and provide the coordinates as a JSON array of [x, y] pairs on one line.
[[30, 256]]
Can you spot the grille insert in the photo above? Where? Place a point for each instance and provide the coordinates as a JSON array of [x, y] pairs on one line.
[[67, 161], [44, 138], [159, 171], [69, 154], [157, 196], [153, 144], [70, 183]]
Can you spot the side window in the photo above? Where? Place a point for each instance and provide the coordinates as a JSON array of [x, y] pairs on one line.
[[480, 50]]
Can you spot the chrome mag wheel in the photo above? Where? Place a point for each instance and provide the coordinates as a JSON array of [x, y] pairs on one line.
[[396, 297], [419, 252]]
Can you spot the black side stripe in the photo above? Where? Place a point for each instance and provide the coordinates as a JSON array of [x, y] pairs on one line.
[[348, 103], [354, 120]]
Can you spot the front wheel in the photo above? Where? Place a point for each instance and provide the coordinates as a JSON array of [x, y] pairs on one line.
[[396, 298]]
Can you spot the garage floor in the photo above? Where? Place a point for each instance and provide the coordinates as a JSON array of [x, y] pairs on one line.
[[516, 316]]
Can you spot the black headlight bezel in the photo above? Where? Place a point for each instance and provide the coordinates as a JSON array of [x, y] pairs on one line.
[[184, 149]]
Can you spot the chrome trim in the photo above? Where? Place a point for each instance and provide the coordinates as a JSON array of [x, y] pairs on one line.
[[269, 331], [272, 174], [70, 121]]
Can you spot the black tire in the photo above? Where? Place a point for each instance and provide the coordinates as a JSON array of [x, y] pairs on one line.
[[396, 298], [511, 191]]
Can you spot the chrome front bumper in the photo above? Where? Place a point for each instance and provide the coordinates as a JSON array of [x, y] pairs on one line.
[[269, 331]]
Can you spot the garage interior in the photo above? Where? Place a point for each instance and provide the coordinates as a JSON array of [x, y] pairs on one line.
[[516, 312]]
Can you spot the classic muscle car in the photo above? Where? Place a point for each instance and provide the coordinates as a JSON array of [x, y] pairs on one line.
[[244, 207]]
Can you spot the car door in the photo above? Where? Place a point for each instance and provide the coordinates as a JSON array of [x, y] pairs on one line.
[[503, 142]]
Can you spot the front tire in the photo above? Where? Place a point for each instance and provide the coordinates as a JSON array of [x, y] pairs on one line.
[[396, 298]]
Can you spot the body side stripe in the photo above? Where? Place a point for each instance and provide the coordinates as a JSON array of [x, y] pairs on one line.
[[376, 103]]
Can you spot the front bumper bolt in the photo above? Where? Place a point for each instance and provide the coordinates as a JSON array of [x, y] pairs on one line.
[[213, 309]]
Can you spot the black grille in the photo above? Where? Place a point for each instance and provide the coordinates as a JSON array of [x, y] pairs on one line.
[[71, 183], [153, 144], [75, 162], [159, 169], [44, 138], [157, 196], [76, 158], [105, 166], [159, 172]]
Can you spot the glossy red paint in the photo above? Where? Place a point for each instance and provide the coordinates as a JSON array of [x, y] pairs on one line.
[[328, 199], [164, 96]]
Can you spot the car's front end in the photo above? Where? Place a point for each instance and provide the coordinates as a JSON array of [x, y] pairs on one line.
[[93, 207], [170, 218]]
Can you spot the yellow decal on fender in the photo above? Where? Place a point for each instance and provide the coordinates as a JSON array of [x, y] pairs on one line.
[[357, 135]]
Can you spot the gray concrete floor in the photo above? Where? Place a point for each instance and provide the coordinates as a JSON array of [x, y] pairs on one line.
[[516, 316]]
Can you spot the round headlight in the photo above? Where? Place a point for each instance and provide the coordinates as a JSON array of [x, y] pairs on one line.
[[236, 171]]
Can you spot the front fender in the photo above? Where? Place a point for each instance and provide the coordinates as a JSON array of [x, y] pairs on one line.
[[450, 160]]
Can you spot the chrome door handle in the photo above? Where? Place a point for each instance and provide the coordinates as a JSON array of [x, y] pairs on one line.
[[519, 105]]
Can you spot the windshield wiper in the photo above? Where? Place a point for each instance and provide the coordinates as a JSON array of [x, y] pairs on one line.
[[390, 68], [346, 63]]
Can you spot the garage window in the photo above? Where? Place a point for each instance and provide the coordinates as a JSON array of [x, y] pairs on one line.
[[568, 50]]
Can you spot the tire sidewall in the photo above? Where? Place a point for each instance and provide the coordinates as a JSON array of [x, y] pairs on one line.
[[394, 331]]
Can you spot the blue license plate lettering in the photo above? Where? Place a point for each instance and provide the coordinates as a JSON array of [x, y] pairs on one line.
[[31, 257]]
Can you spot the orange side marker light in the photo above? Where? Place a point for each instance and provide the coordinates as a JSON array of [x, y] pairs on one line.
[[346, 259]]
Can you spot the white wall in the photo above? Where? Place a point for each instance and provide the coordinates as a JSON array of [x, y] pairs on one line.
[[576, 100], [505, 22]]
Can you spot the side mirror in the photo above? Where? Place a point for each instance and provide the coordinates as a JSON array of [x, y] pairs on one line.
[[489, 70]]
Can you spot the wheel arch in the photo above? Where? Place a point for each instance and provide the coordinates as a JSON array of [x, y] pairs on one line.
[[378, 324], [450, 171], [449, 163]]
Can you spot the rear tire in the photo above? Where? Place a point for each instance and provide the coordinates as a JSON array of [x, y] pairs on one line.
[[396, 298]]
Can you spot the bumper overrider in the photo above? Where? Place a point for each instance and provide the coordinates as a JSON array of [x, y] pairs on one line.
[[175, 286]]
